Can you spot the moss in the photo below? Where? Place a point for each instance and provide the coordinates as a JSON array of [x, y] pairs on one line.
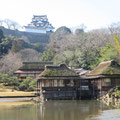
[[56, 71], [117, 93], [106, 68], [112, 70], [34, 65], [50, 73]]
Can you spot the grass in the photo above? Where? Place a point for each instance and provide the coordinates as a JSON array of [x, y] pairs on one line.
[[16, 94], [7, 91]]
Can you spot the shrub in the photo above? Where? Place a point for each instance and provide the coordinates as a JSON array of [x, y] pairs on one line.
[[28, 84]]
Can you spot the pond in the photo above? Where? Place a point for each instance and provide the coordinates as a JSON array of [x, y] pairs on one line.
[[57, 110]]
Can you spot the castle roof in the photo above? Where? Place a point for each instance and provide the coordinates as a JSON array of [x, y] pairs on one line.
[[39, 15]]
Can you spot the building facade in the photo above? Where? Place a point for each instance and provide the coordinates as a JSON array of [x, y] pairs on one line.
[[103, 78], [59, 82], [39, 24], [31, 69]]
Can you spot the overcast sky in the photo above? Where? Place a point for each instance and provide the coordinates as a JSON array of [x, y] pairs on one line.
[[93, 13]]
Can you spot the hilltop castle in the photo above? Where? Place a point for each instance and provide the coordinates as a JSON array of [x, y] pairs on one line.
[[39, 24]]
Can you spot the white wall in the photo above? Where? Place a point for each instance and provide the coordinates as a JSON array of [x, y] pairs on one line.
[[35, 31]]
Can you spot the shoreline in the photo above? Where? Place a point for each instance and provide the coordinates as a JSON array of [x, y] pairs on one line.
[[17, 99]]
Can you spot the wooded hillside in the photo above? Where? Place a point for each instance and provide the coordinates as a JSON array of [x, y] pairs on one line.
[[78, 49]]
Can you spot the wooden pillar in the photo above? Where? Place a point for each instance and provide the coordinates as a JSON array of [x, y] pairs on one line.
[[93, 88], [37, 86], [101, 87], [80, 88]]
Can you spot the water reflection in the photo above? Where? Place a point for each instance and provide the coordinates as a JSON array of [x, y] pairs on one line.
[[52, 110], [69, 110]]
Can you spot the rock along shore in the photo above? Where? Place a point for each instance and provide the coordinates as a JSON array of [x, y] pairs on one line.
[[111, 98]]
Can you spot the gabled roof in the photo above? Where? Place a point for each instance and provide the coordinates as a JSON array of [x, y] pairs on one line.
[[108, 68], [34, 65], [55, 72], [39, 15]]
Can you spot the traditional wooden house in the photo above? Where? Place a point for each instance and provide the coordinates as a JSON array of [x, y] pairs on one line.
[[31, 69], [59, 82], [104, 77]]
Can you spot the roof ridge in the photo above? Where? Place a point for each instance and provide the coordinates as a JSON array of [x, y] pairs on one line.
[[37, 62], [104, 67], [60, 70], [106, 62]]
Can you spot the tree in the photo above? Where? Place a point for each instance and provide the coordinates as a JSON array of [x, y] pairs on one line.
[[13, 81], [4, 78], [10, 24], [117, 45], [115, 34], [88, 59], [79, 31], [60, 33], [27, 84], [39, 47], [1, 22], [1, 35], [10, 63], [109, 52], [29, 55], [15, 25], [47, 56], [17, 45], [5, 43], [32, 85]]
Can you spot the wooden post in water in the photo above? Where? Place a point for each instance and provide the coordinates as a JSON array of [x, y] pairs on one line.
[[37, 88], [100, 88], [41, 97], [80, 89], [93, 88]]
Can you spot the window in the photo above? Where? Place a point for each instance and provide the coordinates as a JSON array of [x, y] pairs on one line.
[[84, 88]]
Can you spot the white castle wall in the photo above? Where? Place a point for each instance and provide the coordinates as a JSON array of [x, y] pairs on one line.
[[35, 30]]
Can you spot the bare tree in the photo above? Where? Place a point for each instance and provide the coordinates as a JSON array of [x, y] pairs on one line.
[[10, 24], [10, 62], [29, 55], [1, 22], [114, 28]]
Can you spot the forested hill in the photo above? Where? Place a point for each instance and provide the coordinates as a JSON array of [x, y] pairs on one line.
[[84, 49], [32, 37], [75, 49]]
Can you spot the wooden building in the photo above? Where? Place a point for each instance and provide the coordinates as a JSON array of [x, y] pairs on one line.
[[59, 82], [103, 78], [31, 69]]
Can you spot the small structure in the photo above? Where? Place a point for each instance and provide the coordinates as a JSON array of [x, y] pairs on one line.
[[82, 71], [59, 82], [39, 24], [31, 69], [104, 77]]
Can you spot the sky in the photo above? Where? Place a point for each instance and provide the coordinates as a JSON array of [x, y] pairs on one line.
[[94, 14]]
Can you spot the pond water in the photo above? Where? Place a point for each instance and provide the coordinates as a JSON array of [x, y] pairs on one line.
[[57, 110]]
